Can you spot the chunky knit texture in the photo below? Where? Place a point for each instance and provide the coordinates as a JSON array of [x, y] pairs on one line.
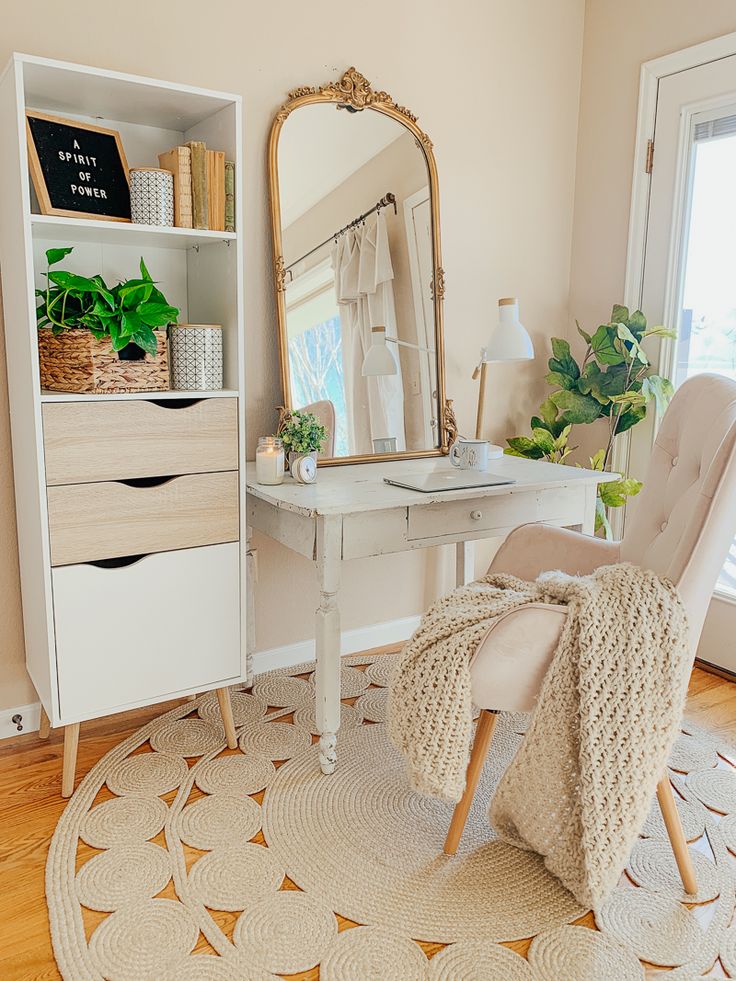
[[581, 785]]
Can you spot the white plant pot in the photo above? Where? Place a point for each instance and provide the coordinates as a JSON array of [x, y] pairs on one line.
[[196, 357]]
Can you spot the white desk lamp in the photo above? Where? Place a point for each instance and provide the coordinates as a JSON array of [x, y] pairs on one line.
[[379, 360], [509, 341]]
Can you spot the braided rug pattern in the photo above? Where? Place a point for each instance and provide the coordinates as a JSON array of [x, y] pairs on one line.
[[157, 870]]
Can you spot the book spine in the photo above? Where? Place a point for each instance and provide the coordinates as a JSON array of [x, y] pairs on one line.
[[216, 189], [179, 162], [229, 196], [200, 204]]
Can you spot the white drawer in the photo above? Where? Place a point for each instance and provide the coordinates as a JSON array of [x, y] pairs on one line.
[[135, 633]]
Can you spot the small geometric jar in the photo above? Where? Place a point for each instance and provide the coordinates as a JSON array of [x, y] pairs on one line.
[[151, 196], [196, 357]]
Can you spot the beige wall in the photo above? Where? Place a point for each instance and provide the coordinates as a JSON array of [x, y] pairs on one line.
[[619, 36], [495, 84]]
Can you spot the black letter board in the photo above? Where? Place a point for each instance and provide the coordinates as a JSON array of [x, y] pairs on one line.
[[78, 170]]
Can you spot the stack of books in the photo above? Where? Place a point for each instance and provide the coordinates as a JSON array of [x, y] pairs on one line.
[[204, 186]]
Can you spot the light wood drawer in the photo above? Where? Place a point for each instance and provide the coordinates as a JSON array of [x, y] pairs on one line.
[[500, 513], [138, 438], [88, 522], [142, 631]]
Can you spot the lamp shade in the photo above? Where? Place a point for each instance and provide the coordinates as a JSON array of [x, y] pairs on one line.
[[509, 340], [379, 360]]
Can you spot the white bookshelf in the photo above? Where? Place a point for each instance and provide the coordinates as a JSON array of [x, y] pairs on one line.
[[199, 271]]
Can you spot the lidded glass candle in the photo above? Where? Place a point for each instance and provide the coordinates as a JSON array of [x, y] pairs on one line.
[[270, 460]]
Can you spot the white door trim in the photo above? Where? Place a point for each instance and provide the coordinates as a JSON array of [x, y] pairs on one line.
[[649, 78]]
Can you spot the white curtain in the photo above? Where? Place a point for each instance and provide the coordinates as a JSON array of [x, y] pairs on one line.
[[365, 294]]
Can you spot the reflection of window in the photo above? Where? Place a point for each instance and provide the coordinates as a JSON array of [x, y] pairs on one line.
[[315, 345]]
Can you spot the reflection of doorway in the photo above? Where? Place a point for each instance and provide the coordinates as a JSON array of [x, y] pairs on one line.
[[418, 219], [682, 252]]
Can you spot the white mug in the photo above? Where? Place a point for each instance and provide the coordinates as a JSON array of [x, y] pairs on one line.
[[469, 454]]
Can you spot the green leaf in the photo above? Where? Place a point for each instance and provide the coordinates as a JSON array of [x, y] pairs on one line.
[[660, 332], [660, 389], [630, 418], [544, 440], [601, 519], [130, 323], [585, 336], [548, 411], [562, 361], [157, 314], [598, 459], [146, 339], [615, 493], [628, 338], [604, 346], [629, 399], [557, 380], [576, 408], [523, 446], [144, 272], [637, 323], [56, 255], [619, 314]]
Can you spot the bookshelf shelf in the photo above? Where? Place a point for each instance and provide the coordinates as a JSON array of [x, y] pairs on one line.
[[56, 229], [223, 393]]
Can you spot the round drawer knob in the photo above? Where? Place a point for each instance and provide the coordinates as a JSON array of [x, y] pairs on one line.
[[476, 515]]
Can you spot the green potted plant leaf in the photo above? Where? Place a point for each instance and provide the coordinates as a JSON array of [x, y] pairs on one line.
[[94, 338], [614, 381], [302, 435]]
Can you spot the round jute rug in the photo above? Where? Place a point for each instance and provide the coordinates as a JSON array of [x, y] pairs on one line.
[[178, 858]]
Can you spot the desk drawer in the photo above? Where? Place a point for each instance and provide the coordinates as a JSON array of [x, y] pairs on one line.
[[141, 631], [115, 440], [496, 512], [89, 522]]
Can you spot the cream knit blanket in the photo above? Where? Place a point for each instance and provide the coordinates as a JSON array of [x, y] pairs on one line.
[[580, 787]]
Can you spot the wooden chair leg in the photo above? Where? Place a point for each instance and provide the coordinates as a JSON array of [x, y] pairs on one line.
[[226, 710], [69, 768], [672, 822], [45, 725], [483, 736]]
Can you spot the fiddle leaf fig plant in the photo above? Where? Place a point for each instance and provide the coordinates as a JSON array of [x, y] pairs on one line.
[[613, 381], [128, 313], [301, 432]]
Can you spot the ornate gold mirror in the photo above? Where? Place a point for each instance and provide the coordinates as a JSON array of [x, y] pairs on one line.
[[358, 271]]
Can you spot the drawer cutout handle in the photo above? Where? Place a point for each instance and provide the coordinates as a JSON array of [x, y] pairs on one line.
[[118, 563], [174, 403], [146, 481]]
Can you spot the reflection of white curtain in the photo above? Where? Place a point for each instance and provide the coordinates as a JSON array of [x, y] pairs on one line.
[[364, 285]]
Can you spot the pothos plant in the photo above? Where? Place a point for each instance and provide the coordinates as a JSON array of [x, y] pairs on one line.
[[301, 432], [614, 381], [128, 313]]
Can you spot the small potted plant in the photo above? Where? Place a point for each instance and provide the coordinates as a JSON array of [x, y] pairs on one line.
[[95, 339], [302, 435]]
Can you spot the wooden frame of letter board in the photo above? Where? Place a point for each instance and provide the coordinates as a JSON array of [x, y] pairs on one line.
[[39, 183]]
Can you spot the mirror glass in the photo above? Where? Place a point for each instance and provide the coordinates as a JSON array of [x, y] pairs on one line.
[[356, 237]]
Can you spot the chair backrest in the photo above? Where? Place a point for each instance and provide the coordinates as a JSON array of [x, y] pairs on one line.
[[685, 517], [325, 413]]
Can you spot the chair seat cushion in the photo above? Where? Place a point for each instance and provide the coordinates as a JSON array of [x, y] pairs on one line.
[[512, 660]]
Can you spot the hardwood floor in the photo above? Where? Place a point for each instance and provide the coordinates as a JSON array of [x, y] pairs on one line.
[[30, 805]]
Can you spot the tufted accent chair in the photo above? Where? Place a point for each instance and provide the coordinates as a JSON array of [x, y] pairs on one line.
[[681, 528]]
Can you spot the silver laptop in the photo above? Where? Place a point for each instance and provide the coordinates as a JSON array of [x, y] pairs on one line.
[[447, 480]]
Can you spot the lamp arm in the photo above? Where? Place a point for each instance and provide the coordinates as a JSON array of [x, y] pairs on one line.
[[414, 347]]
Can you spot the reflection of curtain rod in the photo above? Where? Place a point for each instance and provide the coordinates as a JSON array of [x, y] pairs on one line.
[[385, 201]]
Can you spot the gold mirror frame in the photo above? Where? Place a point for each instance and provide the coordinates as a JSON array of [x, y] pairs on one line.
[[355, 91]]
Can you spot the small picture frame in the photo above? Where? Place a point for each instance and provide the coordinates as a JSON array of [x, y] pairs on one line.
[[78, 170]]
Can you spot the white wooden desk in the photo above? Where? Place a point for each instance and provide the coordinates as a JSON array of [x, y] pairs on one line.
[[351, 513]]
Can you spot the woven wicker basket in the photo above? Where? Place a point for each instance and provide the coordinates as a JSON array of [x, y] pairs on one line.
[[76, 361]]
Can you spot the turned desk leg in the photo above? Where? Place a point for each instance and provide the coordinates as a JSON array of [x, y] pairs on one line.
[[464, 563], [327, 636]]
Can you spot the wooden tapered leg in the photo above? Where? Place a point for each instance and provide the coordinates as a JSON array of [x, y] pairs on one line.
[[483, 736], [677, 838], [45, 726], [226, 711], [69, 767]]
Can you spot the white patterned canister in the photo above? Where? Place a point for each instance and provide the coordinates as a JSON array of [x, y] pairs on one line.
[[151, 196], [196, 357]]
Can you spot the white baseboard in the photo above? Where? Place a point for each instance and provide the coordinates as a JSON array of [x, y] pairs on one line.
[[30, 720], [353, 641]]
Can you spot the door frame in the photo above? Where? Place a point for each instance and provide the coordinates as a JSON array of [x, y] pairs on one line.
[[649, 78]]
